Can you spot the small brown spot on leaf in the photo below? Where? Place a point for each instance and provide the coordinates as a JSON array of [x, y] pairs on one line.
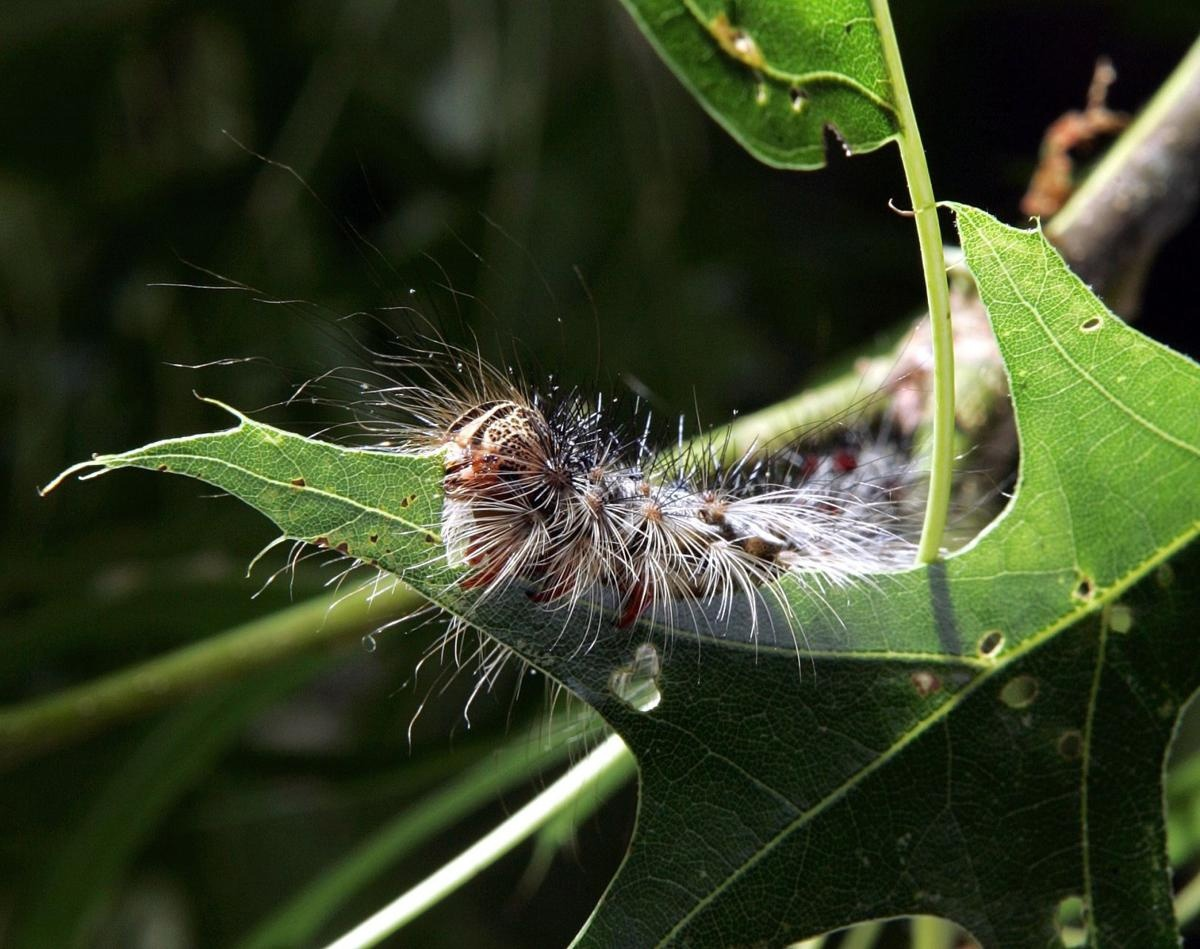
[[321, 542], [343, 547], [925, 682], [298, 482], [161, 468], [1070, 744], [430, 539], [374, 538], [736, 42]]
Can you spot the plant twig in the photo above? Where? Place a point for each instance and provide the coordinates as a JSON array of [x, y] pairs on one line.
[[296, 922], [611, 760], [1142, 191], [74, 713]]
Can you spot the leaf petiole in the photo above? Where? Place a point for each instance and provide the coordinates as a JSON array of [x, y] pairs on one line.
[[929, 235]]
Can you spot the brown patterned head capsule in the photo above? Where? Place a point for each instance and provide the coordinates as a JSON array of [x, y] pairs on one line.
[[493, 442], [515, 434]]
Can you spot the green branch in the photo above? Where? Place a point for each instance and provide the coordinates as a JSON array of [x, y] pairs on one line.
[[606, 768], [76, 712], [929, 235], [523, 757]]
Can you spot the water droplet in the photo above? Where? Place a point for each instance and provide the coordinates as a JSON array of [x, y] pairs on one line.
[[1019, 692], [636, 684], [369, 643], [1120, 618], [1071, 921]]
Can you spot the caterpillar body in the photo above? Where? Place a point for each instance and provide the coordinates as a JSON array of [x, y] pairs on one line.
[[545, 491]]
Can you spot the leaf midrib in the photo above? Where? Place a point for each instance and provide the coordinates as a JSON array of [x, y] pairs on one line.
[[258, 429]]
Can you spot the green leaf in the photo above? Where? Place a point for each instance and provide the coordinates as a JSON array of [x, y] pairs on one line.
[[980, 739], [778, 74], [382, 508]]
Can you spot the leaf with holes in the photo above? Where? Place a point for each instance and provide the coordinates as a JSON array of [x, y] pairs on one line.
[[779, 75], [981, 739]]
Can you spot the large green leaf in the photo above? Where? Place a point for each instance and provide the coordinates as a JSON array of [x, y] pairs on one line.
[[778, 74], [979, 739]]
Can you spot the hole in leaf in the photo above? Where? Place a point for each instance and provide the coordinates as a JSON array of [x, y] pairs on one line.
[[1090, 326], [1019, 692], [1070, 919], [1085, 589], [1070, 744], [1120, 618], [990, 643], [636, 684], [799, 98]]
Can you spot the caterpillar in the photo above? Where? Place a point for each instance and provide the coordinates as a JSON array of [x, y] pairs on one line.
[[550, 490]]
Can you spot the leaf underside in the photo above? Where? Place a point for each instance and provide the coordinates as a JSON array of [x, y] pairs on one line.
[[780, 76], [903, 768]]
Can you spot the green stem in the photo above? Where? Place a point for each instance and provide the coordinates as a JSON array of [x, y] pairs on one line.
[[929, 235], [611, 763], [295, 923], [75, 712], [862, 936], [1187, 903], [932, 932]]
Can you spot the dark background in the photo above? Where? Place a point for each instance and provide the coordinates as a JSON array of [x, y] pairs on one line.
[[709, 283]]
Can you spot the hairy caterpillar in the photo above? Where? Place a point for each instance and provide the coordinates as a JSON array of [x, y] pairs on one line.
[[574, 500], [550, 491]]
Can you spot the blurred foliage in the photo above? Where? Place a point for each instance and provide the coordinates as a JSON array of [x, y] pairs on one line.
[[498, 148]]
